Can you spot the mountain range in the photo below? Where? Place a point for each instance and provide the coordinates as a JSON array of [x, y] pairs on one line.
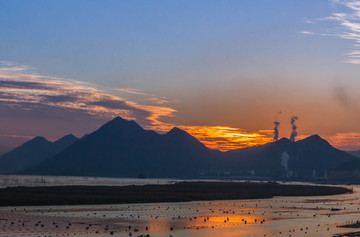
[[312, 157], [32, 153], [121, 148]]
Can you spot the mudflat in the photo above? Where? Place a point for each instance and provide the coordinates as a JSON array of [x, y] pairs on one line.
[[178, 192]]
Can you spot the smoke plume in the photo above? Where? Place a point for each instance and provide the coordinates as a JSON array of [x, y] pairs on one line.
[[276, 130], [284, 161], [293, 127]]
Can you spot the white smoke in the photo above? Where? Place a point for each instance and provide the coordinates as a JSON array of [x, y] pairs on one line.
[[314, 174], [284, 161]]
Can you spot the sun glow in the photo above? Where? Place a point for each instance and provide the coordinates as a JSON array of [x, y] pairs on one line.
[[228, 138]]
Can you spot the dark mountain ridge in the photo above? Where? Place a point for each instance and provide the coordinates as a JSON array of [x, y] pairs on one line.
[[308, 158], [32, 153], [121, 148]]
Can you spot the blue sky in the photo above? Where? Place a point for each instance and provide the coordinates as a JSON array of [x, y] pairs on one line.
[[137, 43], [195, 63]]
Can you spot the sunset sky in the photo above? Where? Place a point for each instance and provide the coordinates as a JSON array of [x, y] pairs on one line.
[[222, 70]]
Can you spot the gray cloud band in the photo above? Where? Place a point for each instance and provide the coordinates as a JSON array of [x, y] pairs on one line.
[[25, 91]]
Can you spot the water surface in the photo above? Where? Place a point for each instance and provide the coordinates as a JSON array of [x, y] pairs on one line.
[[279, 216]]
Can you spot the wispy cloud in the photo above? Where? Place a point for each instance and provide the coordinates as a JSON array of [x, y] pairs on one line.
[[24, 92], [347, 18], [22, 89], [148, 97], [15, 136], [309, 21], [133, 91], [159, 101], [304, 32]]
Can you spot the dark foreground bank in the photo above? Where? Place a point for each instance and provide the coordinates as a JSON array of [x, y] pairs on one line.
[[179, 192]]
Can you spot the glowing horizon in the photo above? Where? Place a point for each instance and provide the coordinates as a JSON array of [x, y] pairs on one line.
[[27, 90], [220, 70]]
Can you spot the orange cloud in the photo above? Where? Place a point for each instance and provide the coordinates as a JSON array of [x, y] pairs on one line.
[[20, 89], [23, 89], [15, 136], [228, 138], [345, 141]]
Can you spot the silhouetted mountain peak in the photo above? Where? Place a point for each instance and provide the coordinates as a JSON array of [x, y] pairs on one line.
[[314, 140], [177, 131], [314, 137], [183, 137], [28, 154], [122, 148], [38, 139], [32, 152], [84, 136], [118, 119], [283, 140], [70, 136], [66, 140], [67, 137], [279, 143], [119, 124]]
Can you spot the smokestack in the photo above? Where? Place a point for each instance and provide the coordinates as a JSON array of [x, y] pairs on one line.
[[276, 130], [293, 127]]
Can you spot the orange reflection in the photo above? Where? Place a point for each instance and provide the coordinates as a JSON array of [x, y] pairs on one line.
[[158, 225], [230, 220]]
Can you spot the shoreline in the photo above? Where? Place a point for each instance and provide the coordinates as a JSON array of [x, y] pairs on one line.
[[178, 192]]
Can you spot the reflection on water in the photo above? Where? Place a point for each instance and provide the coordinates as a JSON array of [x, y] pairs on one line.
[[280, 216], [41, 181]]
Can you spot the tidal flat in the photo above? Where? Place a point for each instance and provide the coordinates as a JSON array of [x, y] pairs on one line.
[[277, 216], [177, 192]]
